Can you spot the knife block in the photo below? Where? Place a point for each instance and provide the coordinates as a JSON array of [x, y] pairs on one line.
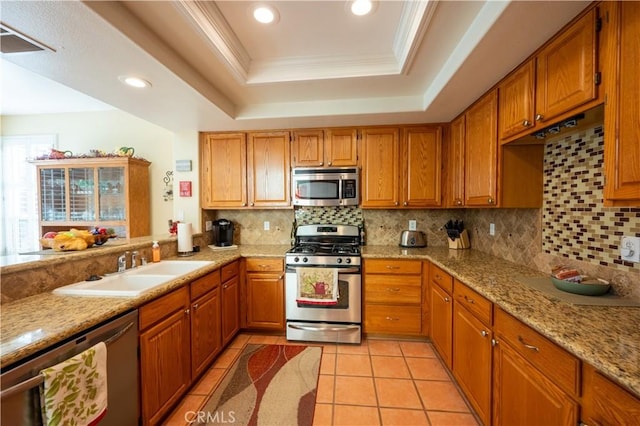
[[460, 243]]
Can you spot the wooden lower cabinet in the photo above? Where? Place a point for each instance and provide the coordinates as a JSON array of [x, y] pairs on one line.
[[605, 403], [393, 296], [165, 362], [472, 359], [441, 312], [265, 294], [230, 302], [206, 340]]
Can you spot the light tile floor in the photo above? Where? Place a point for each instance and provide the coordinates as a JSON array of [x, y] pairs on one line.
[[379, 382]]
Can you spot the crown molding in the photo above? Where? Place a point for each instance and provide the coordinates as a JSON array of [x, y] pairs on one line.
[[415, 19]]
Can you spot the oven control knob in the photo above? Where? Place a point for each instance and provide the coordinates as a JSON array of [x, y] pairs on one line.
[[305, 260], [348, 260], [296, 259], [339, 260]]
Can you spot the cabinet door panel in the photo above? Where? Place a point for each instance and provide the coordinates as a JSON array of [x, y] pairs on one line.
[[380, 161], [230, 309], [481, 152], [524, 396], [622, 116], [206, 340], [265, 300], [455, 163], [224, 170], [516, 101], [566, 70], [269, 169], [341, 147], [164, 348], [605, 403], [472, 360], [422, 167], [441, 322], [308, 148]]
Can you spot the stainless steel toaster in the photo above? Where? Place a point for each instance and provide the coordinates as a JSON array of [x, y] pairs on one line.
[[413, 239]]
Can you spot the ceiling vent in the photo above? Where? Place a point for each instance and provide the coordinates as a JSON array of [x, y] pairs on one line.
[[11, 41]]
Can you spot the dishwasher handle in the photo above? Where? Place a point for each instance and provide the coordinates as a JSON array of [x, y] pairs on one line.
[[39, 379]]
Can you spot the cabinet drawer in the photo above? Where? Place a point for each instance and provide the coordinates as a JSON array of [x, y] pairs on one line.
[[442, 278], [263, 264], [554, 362], [205, 284], [229, 271], [388, 266], [160, 308], [392, 319], [392, 289], [474, 302]]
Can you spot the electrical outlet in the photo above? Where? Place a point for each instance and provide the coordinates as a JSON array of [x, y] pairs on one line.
[[266, 225], [492, 229], [630, 249], [208, 225], [412, 225]]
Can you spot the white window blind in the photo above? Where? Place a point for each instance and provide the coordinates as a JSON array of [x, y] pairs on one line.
[[19, 230]]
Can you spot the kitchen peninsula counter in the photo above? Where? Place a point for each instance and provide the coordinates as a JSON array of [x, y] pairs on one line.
[[606, 337]]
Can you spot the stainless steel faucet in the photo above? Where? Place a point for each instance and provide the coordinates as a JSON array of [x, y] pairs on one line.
[[122, 261], [134, 259]]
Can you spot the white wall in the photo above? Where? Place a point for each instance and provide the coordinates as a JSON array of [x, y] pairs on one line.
[[106, 130], [187, 209]]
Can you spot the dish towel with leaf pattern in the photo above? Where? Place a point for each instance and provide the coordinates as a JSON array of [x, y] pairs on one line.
[[74, 392], [317, 286]]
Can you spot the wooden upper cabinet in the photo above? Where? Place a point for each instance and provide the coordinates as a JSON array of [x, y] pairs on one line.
[[566, 70], [516, 97], [621, 29], [422, 166], [268, 169], [481, 152], [341, 147], [380, 162], [455, 164], [223, 168], [308, 148]]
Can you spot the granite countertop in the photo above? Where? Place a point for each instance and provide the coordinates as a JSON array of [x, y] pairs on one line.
[[606, 337]]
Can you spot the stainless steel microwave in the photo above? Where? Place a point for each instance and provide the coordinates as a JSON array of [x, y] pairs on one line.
[[336, 186]]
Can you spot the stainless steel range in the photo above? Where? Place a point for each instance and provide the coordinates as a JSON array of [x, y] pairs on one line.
[[323, 295]]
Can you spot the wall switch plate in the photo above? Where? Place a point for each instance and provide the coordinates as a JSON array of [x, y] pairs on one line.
[[412, 225], [630, 249], [266, 225], [208, 225], [492, 229]]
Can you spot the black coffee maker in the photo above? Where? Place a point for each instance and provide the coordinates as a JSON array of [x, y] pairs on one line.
[[222, 233]]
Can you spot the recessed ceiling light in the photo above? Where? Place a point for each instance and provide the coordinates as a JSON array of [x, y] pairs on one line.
[[265, 14], [361, 7], [132, 81]]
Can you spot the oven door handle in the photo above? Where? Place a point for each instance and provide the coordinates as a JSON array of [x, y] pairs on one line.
[[341, 271], [310, 328]]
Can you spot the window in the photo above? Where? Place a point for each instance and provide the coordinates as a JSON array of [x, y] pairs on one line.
[[19, 229]]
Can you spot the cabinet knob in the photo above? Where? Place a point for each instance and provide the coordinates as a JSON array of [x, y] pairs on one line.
[[405, 204], [539, 117], [526, 123], [458, 202], [244, 204], [186, 311], [446, 299], [490, 200], [484, 333], [195, 306], [396, 203], [329, 163], [494, 342], [322, 163], [251, 204], [281, 277]]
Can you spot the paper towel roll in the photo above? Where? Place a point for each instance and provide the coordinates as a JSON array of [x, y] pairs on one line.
[[185, 238]]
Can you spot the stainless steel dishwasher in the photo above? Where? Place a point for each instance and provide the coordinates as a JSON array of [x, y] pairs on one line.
[[20, 400]]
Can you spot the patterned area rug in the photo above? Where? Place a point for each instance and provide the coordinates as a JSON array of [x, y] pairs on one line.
[[268, 385]]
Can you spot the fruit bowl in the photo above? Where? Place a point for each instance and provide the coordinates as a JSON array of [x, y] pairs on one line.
[[588, 287], [100, 239]]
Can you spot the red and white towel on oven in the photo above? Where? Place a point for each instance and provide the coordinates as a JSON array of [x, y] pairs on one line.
[[317, 286]]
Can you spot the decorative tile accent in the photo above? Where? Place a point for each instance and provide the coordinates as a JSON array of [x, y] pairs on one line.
[[576, 225], [336, 215]]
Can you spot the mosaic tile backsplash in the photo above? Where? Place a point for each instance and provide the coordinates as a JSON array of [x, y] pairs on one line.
[[576, 225]]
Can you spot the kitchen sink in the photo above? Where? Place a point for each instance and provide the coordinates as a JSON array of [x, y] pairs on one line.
[[171, 267], [133, 282]]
